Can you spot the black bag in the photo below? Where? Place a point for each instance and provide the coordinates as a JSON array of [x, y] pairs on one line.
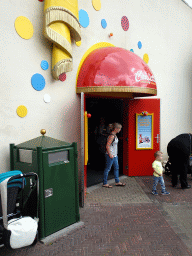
[[102, 142]]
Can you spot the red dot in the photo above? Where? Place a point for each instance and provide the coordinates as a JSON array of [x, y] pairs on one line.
[[40, 0], [125, 23], [62, 77]]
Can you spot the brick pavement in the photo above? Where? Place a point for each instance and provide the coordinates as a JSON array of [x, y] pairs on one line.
[[131, 193], [131, 222], [176, 208]]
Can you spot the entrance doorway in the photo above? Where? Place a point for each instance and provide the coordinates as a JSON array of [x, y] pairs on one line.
[[109, 111]]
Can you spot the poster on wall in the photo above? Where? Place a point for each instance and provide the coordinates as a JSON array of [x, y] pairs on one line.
[[144, 131]]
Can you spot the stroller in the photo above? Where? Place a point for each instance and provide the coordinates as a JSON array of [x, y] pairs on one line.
[[167, 167], [18, 227]]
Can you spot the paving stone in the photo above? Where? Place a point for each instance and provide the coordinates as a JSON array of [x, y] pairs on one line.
[[129, 222]]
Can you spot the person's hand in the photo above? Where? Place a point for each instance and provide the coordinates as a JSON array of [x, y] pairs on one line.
[[111, 156]]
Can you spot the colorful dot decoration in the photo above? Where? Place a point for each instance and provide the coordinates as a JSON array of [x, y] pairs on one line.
[[131, 50], [47, 98], [21, 111], [44, 65], [38, 82], [62, 77], [24, 27], [83, 18], [139, 45], [125, 23], [146, 58], [103, 23], [96, 4]]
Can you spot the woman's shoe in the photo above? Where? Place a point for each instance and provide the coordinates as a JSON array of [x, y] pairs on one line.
[[120, 184], [107, 186]]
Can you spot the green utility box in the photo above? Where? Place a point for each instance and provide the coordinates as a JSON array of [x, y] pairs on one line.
[[55, 162]]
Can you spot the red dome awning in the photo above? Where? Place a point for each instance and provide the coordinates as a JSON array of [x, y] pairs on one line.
[[113, 71]]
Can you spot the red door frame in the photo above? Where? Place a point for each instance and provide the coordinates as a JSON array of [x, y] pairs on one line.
[[135, 162]]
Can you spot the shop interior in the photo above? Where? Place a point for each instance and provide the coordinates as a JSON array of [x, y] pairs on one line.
[[109, 110]]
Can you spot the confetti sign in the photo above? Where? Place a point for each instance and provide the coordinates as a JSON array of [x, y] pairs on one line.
[[24, 27], [139, 45], [21, 111], [47, 98], [44, 65], [146, 58], [38, 82], [83, 18], [96, 4], [103, 23], [125, 23]]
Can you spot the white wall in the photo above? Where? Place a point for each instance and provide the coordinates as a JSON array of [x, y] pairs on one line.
[[164, 28]]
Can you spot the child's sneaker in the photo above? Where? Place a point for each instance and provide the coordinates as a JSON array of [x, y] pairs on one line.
[[155, 193], [165, 193]]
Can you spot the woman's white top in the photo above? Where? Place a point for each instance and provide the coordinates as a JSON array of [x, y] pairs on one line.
[[114, 147]]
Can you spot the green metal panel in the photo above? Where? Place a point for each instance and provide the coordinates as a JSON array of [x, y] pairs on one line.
[[41, 226], [60, 208], [44, 142], [76, 180]]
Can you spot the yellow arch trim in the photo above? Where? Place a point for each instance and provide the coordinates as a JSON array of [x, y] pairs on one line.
[[92, 48]]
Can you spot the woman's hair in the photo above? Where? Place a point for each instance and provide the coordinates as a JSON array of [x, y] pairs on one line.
[[157, 153], [114, 125]]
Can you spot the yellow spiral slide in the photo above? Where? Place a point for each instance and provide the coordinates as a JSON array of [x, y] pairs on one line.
[[61, 22]]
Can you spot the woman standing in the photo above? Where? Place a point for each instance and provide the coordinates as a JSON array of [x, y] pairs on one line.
[[112, 156]]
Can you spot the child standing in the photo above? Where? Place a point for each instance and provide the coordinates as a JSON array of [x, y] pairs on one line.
[[158, 174]]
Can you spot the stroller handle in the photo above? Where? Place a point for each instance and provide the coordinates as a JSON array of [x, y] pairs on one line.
[[24, 175]]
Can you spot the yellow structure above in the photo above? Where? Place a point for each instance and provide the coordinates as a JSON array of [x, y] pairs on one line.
[[61, 22]]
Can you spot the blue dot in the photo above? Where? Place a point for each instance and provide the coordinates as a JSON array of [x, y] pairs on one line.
[[103, 23], [131, 50], [44, 65], [139, 44], [83, 18], [38, 82]]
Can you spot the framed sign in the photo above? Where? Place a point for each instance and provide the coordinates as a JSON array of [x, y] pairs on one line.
[[144, 131]]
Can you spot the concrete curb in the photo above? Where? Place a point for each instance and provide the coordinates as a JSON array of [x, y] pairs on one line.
[[62, 232]]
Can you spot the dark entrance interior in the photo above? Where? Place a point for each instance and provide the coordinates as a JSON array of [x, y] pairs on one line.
[[111, 110]]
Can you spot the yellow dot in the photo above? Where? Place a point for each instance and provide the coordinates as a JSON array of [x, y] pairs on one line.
[[21, 111], [146, 58], [78, 43], [24, 27], [96, 4]]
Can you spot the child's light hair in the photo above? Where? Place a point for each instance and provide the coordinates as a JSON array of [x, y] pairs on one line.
[[157, 153]]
